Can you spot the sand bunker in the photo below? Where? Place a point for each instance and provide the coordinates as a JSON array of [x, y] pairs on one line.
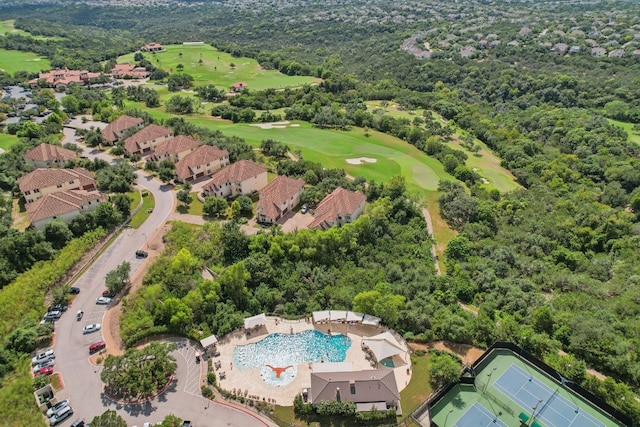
[[274, 125], [361, 160]]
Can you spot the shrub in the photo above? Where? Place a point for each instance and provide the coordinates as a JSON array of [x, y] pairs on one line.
[[206, 392], [211, 378]]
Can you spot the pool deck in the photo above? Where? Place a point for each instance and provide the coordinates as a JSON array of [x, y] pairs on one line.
[[249, 382]]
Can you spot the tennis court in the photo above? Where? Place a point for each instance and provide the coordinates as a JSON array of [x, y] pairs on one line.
[[478, 416], [541, 401]]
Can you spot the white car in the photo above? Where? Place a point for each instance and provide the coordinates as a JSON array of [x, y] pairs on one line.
[[103, 300], [49, 354], [91, 328], [43, 364], [58, 406]]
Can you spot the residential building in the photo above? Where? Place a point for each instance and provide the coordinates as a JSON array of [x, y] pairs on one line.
[[61, 79], [121, 71], [338, 208], [47, 156], [41, 182], [147, 139], [174, 149], [204, 161], [64, 205], [367, 389], [278, 197], [240, 178], [152, 47], [238, 87], [117, 128]]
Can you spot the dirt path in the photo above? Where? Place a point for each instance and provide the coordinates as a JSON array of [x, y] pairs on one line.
[[434, 255], [467, 353]]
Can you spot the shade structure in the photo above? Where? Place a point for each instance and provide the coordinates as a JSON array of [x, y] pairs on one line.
[[321, 316], [353, 317], [253, 321], [208, 341], [383, 345], [370, 320], [338, 315]]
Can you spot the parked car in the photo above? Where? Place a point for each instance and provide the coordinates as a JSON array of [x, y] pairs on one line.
[[55, 408], [42, 357], [103, 300], [58, 307], [79, 315], [107, 293], [62, 415], [141, 254], [77, 423], [44, 364], [53, 315], [97, 346], [74, 290], [48, 370], [91, 328], [304, 209]]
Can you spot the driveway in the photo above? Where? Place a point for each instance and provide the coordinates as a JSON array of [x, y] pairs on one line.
[[82, 384]]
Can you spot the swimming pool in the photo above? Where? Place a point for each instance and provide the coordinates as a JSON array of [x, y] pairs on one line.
[[283, 352]]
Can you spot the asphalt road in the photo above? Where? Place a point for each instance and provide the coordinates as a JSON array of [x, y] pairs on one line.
[[82, 384]]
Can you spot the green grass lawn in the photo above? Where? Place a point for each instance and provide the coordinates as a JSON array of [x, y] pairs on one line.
[[8, 27], [628, 127], [7, 140], [14, 60], [208, 65], [419, 388], [148, 203]]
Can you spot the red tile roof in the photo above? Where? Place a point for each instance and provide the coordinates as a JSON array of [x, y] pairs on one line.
[[44, 177], [277, 192], [340, 202], [48, 152], [203, 155], [119, 125], [148, 133], [60, 203], [237, 172], [176, 145], [131, 70]]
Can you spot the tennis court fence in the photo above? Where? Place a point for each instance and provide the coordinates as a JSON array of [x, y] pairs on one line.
[[485, 391]]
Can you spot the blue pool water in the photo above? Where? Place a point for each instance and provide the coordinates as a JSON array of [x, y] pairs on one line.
[[282, 350]]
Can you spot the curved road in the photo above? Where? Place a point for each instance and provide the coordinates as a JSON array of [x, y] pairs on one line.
[[82, 384]]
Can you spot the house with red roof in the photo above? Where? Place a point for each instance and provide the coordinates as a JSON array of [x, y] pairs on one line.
[[117, 128], [64, 205], [47, 156], [204, 161], [240, 178], [238, 87], [278, 197], [61, 79], [147, 139], [40, 182], [174, 149], [338, 208], [152, 47], [130, 71]]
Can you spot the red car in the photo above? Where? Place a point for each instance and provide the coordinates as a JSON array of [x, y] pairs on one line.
[[97, 346], [47, 370], [107, 294]]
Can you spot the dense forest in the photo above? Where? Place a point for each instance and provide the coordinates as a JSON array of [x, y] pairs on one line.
[[553, 266]]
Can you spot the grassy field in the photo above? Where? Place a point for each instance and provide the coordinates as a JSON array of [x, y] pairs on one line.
[[7, 140], [13, 60], [208, 65], [628, 127], [8, 27], [486, 163]]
